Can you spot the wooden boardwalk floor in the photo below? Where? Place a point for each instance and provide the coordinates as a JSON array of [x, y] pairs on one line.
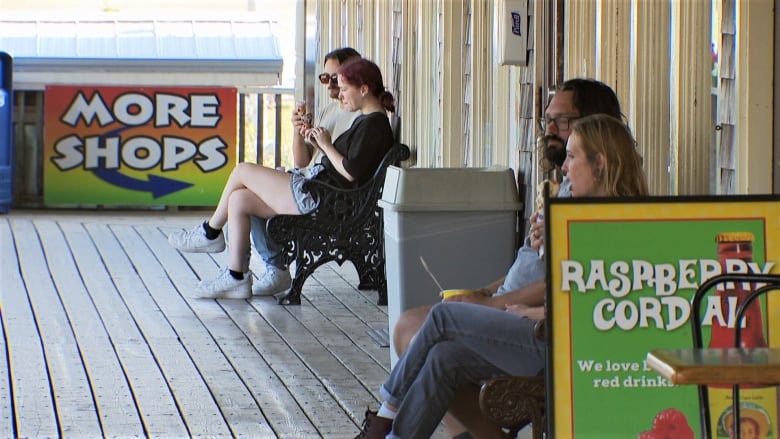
[[101, 339]]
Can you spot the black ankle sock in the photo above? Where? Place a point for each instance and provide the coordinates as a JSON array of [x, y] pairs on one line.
[[465, 435], [211, 233], [237, 275]]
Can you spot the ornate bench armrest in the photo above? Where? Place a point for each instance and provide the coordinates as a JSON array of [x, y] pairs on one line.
[[514, 401], [346, 225]]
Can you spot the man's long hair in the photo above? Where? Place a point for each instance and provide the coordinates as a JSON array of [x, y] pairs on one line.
[[342, 54], [589, 97], [592, 97]]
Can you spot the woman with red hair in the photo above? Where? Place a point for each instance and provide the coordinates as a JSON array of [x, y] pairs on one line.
[[253, 189]]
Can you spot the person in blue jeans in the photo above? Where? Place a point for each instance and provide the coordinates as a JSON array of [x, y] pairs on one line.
[[464, 343], [255, 190], [573, 99], [334, 118]]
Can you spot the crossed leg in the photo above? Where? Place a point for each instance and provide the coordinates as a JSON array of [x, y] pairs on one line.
[[463, 414], [251, 190]]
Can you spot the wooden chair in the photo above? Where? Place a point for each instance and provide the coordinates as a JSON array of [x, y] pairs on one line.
[[512, 402], [347, 226]]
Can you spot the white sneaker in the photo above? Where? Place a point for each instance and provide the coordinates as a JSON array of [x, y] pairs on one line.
[[225, 286], [194, 241], [273, 281]]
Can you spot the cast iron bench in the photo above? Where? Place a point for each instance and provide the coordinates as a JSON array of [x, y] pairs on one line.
[[347, 226]]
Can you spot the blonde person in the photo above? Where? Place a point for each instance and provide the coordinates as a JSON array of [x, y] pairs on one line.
[[573, 99], [255, 190], [463, 343]]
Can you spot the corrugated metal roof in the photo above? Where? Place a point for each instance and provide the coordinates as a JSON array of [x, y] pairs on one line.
[[144, 39], [159, 45]]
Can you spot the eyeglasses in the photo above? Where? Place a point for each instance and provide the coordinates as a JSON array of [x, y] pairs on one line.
[[562, 123], [327, 78]]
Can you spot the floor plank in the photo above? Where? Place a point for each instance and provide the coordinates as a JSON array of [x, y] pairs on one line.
[[102, 338], [107, 387], [63, 369]]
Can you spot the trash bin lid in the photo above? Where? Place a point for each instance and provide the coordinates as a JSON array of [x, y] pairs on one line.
[[450, 189]]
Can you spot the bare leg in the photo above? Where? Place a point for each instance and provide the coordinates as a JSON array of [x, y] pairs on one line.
[[272, 187], [251, 190], [407, 325]]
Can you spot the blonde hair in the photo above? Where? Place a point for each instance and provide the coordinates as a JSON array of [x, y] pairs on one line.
[[622, 173]]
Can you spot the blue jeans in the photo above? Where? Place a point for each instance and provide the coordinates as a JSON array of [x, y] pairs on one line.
[[267, 248], [459, 343]]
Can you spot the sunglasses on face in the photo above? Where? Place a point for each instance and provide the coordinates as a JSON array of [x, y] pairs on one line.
[[326, 78]]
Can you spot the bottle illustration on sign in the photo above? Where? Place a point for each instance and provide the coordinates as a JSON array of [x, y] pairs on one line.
[[733, 246]]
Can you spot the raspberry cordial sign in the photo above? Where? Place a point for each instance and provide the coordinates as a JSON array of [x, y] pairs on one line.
[[621, 276]]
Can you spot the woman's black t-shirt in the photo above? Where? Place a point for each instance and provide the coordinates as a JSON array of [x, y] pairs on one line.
[[363, 147]]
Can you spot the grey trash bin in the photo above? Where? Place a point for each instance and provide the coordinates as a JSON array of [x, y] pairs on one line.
[[463, 221]]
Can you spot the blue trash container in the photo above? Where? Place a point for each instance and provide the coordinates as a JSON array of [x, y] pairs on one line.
[[6, 135]]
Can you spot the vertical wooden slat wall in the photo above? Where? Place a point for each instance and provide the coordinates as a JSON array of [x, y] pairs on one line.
[[365, 22], [727, 84], [649, 85], [530, 94], [755, 64], [382, 19], [609, 40], [328, 38], [483, 66], [451, 91], [396, 65], [453, 81], [504, 119], [426, 85], [579, 39], [437, 57], [690, 101], [408, 99], [352, 26], [613, 36], [468, 81]]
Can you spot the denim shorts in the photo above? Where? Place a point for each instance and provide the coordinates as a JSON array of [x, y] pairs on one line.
[[306, 203]]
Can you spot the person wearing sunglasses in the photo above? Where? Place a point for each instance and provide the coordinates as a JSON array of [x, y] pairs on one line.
[[461, 344], [332, 116], [253, 190], [336, 120]]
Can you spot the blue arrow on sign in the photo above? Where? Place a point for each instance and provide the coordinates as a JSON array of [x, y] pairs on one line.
[[158, 186]]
